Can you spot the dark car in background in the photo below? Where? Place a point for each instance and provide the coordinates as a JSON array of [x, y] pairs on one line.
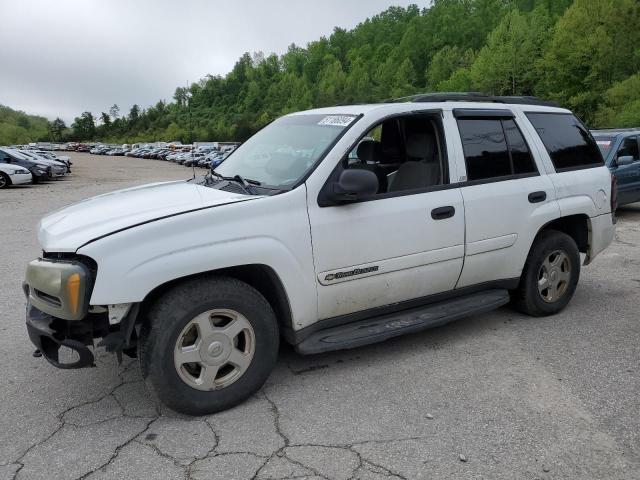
[[39, 171], [621, 151]]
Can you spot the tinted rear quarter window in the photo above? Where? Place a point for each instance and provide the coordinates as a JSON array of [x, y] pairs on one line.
[[569, 143]]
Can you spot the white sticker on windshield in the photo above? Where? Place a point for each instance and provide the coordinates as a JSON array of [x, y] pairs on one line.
[[337, 120]]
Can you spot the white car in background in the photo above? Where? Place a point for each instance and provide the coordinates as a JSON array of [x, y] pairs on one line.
[[13, 175]]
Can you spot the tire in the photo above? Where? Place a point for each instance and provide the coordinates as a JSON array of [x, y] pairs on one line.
[[5, 181], [531, 297], [171, 322]]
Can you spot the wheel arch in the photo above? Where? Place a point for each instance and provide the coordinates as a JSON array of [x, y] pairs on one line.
[[577, 226], [259, 276]]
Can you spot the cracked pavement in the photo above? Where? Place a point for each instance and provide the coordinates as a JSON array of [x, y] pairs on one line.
[[516, 397]]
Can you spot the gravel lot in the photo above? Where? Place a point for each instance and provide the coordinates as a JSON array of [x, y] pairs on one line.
[[493, 396]]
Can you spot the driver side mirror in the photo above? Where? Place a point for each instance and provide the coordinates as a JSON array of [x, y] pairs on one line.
[[624, 160], [353, 184]]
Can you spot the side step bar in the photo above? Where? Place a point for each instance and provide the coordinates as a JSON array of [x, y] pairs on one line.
[[379, 329]]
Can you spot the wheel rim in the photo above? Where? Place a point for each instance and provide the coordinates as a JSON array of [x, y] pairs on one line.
[[554, 276], [3, 181], [214, 349]]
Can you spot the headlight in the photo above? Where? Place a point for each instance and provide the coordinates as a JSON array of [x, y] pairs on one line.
[[43, 167], [22, 171]]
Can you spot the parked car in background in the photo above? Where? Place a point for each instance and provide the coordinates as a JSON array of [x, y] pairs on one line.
[[13, 175], [58, 168], [39, 171], [59, 158], [621, 151]]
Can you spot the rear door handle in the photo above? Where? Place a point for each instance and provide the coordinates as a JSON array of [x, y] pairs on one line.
[[537, 197], [441, 213]]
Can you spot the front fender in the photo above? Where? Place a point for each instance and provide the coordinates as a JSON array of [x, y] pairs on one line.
[[274, 232]]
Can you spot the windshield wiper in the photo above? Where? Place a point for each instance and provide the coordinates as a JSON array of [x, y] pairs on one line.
[[244, 182]]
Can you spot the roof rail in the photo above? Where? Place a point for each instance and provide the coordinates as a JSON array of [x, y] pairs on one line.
[[475, 97]]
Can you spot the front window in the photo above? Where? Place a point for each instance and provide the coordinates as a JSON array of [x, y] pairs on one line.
[[283, 152]]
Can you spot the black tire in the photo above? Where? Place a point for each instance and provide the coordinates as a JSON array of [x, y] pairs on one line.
[[167, 318], [6, 181], [527, 298]]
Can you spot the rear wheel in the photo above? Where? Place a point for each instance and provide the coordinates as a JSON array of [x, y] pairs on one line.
[[208, 344], [550, 275]]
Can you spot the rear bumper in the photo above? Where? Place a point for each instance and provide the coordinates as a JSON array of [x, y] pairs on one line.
[[603, 230]]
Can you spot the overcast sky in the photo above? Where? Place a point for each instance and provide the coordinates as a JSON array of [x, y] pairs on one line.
[[61, 57]]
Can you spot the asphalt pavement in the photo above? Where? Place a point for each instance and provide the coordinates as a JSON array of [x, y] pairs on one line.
[[495, 396]]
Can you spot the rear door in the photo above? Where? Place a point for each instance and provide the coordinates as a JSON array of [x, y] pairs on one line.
[[506, 199]]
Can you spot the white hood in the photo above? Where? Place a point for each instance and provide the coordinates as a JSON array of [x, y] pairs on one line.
[[68, 229]]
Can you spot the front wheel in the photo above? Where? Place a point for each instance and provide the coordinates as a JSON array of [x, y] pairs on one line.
[[550, 275], [5, 181], [208, 344]]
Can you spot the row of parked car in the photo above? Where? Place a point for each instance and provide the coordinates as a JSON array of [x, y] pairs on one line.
[[204, 156], [22, 166]]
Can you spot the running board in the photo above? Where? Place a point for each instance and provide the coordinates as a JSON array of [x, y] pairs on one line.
[[379, 329]]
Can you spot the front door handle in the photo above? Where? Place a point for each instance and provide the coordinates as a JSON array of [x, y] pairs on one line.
[[537, 197], [441, 213]]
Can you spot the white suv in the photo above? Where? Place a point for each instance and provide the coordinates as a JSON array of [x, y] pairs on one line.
[[330, 228]]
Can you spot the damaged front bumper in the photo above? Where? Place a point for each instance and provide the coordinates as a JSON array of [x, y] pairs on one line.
[[50, 334], [61, 323]]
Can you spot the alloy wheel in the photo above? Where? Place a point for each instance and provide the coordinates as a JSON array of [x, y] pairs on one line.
[[214, 349], [554, 276]]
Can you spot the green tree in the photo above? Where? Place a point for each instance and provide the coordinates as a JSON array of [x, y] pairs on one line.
[[57, 128], [582, 53], [134, 113], [114, 112], [621, 106], [594, 45], [507, 64], [84, 127], [445, 62]]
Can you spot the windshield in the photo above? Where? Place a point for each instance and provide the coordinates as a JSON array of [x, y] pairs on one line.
[[604, 144], [283, 152]]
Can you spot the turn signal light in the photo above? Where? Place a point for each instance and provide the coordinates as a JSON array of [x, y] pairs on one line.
[[73, 292]]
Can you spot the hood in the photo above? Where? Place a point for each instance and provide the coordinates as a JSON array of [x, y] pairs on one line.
[[68, 229]]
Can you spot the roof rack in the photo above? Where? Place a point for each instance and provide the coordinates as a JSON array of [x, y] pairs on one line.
[[475, 97]]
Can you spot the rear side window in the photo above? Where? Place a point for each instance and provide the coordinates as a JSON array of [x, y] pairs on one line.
[[569, 143], [494, 148]]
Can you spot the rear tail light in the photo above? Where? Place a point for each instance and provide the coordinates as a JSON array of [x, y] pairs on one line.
[[614, 193]]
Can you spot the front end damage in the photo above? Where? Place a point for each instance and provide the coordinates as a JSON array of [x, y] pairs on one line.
[[61, 323]]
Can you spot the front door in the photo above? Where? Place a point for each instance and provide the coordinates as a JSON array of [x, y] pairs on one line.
[[404, 243]]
